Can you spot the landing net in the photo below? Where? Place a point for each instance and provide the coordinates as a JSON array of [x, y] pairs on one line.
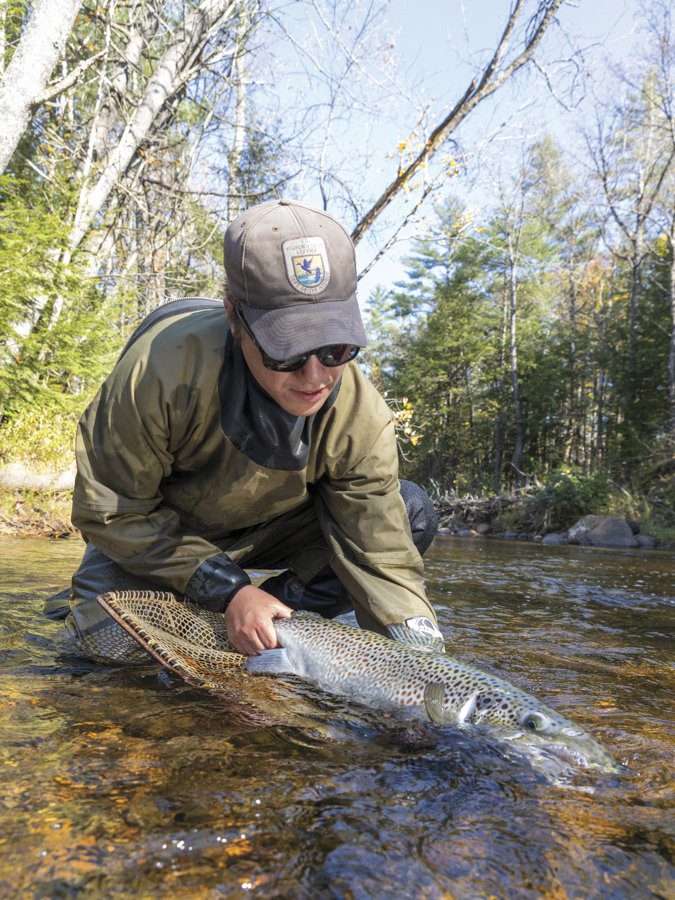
[[184, 637]]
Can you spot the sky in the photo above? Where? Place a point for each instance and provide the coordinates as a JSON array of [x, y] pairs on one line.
[[439, 44]]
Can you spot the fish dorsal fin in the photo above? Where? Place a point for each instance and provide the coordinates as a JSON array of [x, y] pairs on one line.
[[467, 711], [434, 697]]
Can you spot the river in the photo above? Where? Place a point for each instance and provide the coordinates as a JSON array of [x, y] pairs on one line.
[[128, 783]]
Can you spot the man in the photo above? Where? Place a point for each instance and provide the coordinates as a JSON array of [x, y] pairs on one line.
[[209, 449]]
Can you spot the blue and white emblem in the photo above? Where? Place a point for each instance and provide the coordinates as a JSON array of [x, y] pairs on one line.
[[307, 264]]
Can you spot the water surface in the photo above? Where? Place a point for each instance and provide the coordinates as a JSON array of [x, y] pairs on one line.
[[122, 783]]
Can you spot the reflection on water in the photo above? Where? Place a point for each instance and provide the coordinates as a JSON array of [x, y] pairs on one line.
[[127, 783]]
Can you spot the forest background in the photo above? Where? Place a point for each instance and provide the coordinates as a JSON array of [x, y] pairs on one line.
[[527, 341]]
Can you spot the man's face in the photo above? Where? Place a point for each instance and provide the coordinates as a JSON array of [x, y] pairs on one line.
[[300, 393]]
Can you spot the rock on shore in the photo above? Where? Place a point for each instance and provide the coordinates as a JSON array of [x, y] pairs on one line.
[[602, 531], [589, 531]]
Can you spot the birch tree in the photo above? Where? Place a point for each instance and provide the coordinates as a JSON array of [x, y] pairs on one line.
[[633, 157], [132, 115], [25, 79], [172, 71], [661, 30]]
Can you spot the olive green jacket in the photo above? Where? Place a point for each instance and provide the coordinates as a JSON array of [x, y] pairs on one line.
[[181, 450]]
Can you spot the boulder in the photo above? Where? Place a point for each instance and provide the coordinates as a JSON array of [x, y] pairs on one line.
[[554, 539], [483, 528], [646, 541], [582, 527], [602, 531]]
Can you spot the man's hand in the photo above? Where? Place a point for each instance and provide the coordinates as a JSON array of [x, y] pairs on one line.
[[249, 618]]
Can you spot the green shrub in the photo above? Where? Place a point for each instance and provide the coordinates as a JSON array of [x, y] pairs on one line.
[[564, 498], [41, 437], [515, 518]]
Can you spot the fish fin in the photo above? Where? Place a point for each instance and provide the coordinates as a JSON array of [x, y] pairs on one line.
[[434, 695], [348, 618], [418, 632], [270, 662], [468, 709]]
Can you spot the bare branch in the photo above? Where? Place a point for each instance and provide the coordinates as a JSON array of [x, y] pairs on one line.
[[223, 195], [58, 87], [490, 80], [428, 188]]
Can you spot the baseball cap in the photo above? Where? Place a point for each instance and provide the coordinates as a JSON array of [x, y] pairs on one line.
[[291, 270]]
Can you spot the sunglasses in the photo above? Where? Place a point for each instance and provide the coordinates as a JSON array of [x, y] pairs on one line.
[[330, 356]]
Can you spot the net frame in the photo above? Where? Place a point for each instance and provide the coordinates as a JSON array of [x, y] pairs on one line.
[[183, 637]]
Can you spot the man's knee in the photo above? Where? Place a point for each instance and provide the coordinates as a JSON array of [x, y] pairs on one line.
[[97, 573], [422, 515], [92, 633]]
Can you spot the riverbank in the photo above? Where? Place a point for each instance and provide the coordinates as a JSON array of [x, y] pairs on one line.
[[46, 513], [34, 513], [544, 516]]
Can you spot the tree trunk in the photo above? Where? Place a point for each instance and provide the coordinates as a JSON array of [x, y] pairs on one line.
[[26, 76], [113, 87], [3, 40], [571, 425], [236, 202], [671, 354], [633, 316], [499, 419], [519, 441]]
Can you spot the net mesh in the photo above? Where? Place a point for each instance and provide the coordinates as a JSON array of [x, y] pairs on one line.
[[108, 644], [184, 637]]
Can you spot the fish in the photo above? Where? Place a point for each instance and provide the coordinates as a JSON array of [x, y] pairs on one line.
[[386, 674], [342, 659]]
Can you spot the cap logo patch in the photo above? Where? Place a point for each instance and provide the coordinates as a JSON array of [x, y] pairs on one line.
[[307, 264]]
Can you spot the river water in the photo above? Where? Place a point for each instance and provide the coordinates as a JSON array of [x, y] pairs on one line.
[[127, 783]]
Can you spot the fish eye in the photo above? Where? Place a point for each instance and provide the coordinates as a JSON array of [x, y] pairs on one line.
[[534, 721]]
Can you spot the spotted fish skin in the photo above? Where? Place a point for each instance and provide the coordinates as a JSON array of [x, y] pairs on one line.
[[384, 673]]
